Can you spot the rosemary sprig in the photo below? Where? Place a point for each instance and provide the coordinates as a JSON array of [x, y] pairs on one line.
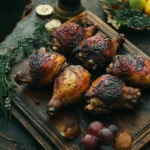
[[40, 38]]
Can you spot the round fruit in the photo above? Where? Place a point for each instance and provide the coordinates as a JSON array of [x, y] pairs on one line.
[[90, 142], [137, 4], [105, 136], [95, 127], [114, 129], [147, 8]]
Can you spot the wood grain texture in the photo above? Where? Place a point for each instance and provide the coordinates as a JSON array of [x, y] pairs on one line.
[[46, 130]]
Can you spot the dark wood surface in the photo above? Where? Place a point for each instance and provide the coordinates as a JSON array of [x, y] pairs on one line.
[[136, 121], [140, 39]]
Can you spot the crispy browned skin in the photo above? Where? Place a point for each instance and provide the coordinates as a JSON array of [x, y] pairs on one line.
[[68, 35], [98, 50], [68, 88], [134, 69], [42, 69], [108, 92]]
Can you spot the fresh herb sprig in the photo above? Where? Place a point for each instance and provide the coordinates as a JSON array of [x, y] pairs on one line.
[[40, 38], [121, 14]]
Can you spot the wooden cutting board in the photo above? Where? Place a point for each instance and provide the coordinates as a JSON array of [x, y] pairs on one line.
[[46, 130]]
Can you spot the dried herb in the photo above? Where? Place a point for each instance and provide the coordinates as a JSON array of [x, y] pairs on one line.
[[40, 38], [121, 14]]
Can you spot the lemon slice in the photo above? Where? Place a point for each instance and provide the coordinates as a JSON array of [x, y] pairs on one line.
[[44, 10]]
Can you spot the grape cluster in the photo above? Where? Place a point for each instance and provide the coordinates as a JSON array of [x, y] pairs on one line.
[[99, 137]]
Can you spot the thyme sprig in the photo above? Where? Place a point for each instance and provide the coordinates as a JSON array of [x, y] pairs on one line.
[[39, 38]]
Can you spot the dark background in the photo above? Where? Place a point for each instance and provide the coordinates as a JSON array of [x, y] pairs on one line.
[[10, 13]]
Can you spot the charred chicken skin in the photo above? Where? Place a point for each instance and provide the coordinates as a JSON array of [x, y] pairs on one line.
[[68, 88], [42, 69], [98, 50], [108, 92], [134, 69], [68, 36]]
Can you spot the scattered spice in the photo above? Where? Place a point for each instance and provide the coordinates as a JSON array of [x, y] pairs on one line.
[[123, 141]]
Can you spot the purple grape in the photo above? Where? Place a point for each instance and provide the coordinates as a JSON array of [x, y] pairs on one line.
[[90, 142], [95, 127], [105, 136], [114, 129]]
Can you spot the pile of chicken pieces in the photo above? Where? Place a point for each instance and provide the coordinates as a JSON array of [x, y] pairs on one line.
[[93, 52]]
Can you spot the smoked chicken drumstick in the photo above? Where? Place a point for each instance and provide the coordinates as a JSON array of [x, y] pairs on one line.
[[133, 69], [97, 51], [42, 69], [68, 36], [68, 88], [108, 92]]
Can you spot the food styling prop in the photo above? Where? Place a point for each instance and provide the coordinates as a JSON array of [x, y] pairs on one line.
[[65, 9], [134, 14]]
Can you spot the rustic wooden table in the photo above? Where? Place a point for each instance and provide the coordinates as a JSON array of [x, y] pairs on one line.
[[13, 128]]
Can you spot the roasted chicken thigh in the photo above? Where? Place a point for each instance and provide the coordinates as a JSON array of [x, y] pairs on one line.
[[68, 88], [98, 50], [42, 69], [68, 36], [134, 69], [108, 92]]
